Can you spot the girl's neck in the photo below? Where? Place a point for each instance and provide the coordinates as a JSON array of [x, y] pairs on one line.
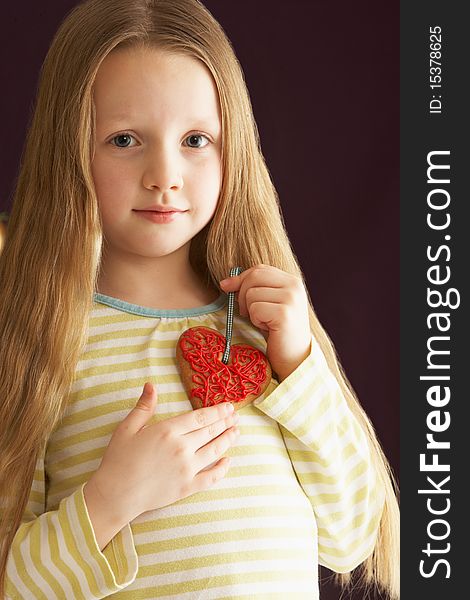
[[155, 284], [191, 299]]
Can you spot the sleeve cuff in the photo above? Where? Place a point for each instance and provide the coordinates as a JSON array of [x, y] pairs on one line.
[[117, 564], [277, 399], [310, 404]]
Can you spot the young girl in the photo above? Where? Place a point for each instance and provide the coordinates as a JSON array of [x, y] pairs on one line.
[[111, 485]]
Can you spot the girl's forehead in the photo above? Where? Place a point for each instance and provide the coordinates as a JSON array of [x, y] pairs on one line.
[[134, 80]]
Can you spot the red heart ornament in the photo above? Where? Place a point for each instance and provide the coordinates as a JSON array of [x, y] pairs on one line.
[[208, 381]]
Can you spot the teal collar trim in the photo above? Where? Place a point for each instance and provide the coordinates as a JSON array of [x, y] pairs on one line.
[[145, 311]]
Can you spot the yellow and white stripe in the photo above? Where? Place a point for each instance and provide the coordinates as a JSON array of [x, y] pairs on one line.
[[300, 489]]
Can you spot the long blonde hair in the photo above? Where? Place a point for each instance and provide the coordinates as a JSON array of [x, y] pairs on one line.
[[51, 259]]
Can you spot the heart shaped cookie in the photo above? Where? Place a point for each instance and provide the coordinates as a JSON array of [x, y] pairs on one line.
[[208, 380]]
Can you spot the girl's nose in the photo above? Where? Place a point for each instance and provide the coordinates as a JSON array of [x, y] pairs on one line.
[[162, 170]]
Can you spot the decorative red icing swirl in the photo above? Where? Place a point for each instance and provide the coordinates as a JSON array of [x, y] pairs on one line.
[[243, 375]]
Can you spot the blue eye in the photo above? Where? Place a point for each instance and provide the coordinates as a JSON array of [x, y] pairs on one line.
[[123, 137], [196, 136], [120, 136]]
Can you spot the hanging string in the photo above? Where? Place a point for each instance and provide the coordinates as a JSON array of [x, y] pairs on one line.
[[228, 333]]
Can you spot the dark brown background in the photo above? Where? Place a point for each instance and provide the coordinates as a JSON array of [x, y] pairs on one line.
[[324, 82]]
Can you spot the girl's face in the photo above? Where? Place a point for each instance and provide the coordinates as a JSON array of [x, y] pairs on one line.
[[157, 145]]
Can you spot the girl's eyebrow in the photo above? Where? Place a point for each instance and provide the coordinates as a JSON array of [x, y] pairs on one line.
[[205, 120]]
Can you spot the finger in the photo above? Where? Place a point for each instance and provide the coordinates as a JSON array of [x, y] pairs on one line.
[[199, 438], [216, 448], [262, 294], [268, 316], [232, 284], [143, 411], [201, 417], [266, 277], [211, 475]]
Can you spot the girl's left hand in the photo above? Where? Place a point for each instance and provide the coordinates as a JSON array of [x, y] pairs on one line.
[[276, 303]]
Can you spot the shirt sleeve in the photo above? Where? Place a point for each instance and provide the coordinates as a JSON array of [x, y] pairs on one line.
[[55, 556], [331, 459]]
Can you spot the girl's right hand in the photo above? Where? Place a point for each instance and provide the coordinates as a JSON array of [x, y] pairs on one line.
[[146, 467]]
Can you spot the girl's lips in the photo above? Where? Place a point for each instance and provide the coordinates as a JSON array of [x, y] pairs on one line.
[[160, 217]]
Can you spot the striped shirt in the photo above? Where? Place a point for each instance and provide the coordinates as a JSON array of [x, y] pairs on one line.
[[300, 490]]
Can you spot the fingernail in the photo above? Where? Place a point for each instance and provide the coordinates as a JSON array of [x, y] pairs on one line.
[[229, 407]]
